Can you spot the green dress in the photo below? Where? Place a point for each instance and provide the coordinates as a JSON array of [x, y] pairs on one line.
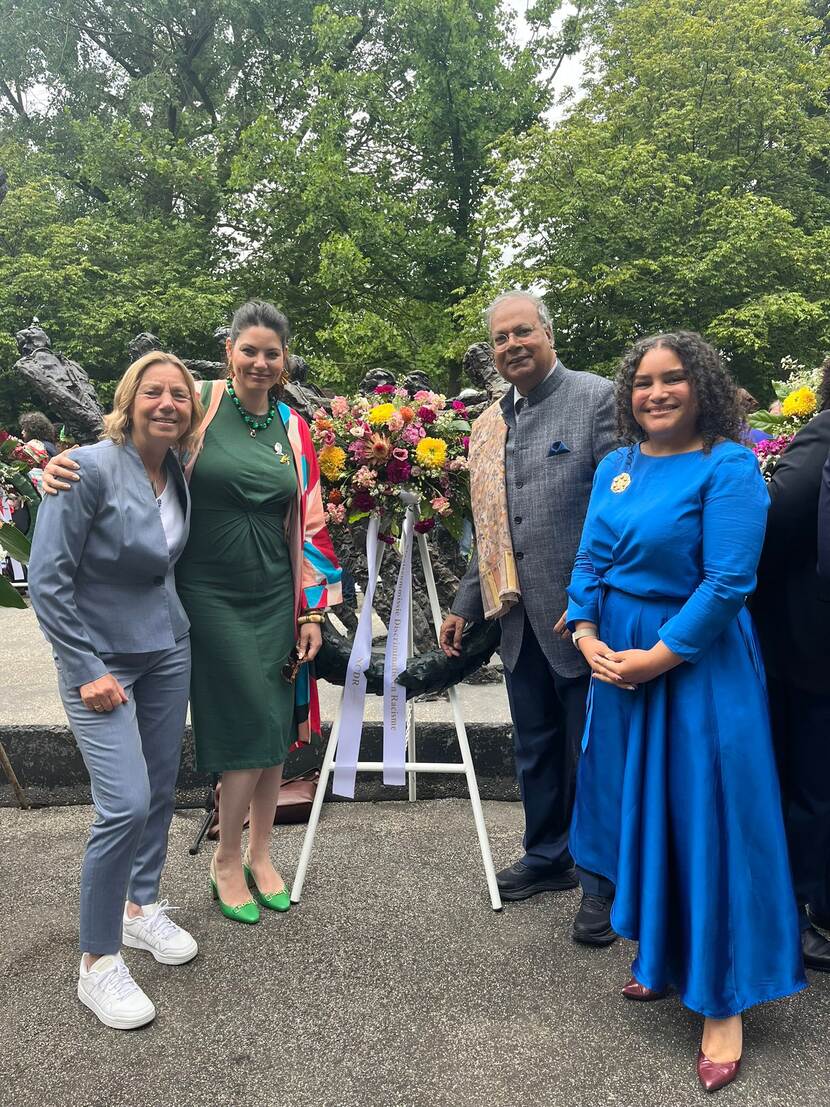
[[235, 581]]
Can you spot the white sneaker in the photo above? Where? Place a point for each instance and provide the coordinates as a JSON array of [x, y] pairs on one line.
[[110, 992], [155, 931]]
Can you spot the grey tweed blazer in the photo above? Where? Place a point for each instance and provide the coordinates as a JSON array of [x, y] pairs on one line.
[[100, 575], [552, 450]]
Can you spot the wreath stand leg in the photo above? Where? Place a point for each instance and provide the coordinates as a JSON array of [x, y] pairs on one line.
[[413, 766]]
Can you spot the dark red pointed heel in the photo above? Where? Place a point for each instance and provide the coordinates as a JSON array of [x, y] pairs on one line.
[[635, 990], [714, 1075]]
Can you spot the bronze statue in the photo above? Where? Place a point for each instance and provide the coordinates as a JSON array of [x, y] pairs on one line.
[[62, 385]]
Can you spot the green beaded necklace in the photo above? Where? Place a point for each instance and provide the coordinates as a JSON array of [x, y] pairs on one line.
[[252, 421]]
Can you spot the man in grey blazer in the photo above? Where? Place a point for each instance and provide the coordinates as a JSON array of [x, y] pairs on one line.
[[560, 424]]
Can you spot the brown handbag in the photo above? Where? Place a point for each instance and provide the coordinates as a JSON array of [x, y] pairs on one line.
[[293, 806]]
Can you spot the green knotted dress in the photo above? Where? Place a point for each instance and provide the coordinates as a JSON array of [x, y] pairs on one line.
[[235, 581]]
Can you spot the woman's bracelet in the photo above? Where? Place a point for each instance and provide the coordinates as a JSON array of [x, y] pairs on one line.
[[311, 617], [584, 632]]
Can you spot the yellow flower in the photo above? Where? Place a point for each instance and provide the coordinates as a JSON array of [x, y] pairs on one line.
[[800, 402], [431, 453], [332, 462], [379, 415]]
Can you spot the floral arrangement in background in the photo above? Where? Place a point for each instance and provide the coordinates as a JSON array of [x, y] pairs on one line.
[[21, 467], [797, 402], [373, 448]]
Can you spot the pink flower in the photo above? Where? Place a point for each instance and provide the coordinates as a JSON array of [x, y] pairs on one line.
[[329, 438], [458, 464], [402, 393], [336, 513], [395, 421], [441, 506], [358, 450], [358, 430], [321, 413], [400, 453], [457, 405], [426, 415], [421, 395], [465, 442], [384, 389], [413, 435], [339, 407], [364, 477]]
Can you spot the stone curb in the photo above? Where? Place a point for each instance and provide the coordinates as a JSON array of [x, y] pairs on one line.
[[48, 764]]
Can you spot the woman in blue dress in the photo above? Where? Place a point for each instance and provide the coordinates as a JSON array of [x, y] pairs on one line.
[[677, 798]]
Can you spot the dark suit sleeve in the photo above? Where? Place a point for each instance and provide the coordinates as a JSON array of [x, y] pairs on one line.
[[604, 431], [61, 532], [468, 602], [793, 493], [824, 525]]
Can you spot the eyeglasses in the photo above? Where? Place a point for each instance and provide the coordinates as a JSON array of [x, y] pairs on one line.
[[500, 340]]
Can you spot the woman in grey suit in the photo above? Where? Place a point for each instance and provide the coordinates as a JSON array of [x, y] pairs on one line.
[[101, 582]]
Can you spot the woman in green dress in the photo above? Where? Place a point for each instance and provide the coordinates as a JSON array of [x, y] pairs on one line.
[[257, 562]]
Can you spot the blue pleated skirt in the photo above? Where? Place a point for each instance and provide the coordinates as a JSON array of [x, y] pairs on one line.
[[678, 804]]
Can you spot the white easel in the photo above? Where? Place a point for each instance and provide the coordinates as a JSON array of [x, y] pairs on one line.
[[412, 765]]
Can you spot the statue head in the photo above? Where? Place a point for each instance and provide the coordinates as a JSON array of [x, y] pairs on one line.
[[478, 364], [298, 369], [417, 381], [374, 378], [221, 335], [142, 344], [31, 339]]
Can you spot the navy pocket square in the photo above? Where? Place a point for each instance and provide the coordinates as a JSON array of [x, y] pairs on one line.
[[558, 448]]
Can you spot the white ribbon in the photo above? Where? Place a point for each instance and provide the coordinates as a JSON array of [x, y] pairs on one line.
[[397, 644], [354, 690]]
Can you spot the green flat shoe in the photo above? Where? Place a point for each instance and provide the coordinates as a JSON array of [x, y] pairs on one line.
[[246, 912], [275, 901]]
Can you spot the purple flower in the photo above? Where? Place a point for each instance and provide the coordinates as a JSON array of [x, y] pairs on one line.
[[389, 539], [362, 501], [398, 471], [424, 525], [465, 442]]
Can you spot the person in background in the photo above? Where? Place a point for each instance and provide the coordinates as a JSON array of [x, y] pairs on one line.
[[101, 583], [532, 460], [677, 798], [791, 607], [35, 427]]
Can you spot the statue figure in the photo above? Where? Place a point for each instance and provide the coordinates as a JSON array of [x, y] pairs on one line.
[[479, 366], [62, 385], [300, 393], [374, 378], [417, 381], [142, 344]]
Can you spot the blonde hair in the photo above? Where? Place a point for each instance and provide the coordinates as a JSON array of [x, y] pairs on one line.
[[117, 423]]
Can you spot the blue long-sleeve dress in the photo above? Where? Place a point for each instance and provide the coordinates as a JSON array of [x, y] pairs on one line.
[[677, 797]]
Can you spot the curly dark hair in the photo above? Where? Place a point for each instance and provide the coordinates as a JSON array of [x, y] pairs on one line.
[[824, 386], [719, 407]]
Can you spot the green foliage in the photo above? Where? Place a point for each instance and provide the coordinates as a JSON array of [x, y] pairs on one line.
[[689, 188]]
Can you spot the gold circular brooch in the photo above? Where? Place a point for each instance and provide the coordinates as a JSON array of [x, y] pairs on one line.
[[621, 482]]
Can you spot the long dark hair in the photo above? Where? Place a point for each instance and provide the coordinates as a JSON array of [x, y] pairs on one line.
[[719, 408]]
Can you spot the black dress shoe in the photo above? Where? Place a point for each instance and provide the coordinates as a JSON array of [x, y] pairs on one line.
[[816, 950], [592, 925], [519, 881], [819, 918]]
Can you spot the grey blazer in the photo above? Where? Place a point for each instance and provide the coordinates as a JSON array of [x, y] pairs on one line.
[[100, 575], [552, 451]]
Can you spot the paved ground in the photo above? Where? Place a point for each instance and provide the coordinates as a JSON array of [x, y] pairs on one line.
[[29, 695], [393, 985]]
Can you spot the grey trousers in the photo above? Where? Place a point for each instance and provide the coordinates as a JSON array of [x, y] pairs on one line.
[[132, 755]]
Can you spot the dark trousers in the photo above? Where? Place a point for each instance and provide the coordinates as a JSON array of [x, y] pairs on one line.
[[548, 713], [801, 731]]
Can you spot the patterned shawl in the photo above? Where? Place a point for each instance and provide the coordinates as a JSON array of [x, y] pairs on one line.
[[488, 487]]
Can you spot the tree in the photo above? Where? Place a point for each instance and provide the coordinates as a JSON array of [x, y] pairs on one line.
[[689, 188]]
